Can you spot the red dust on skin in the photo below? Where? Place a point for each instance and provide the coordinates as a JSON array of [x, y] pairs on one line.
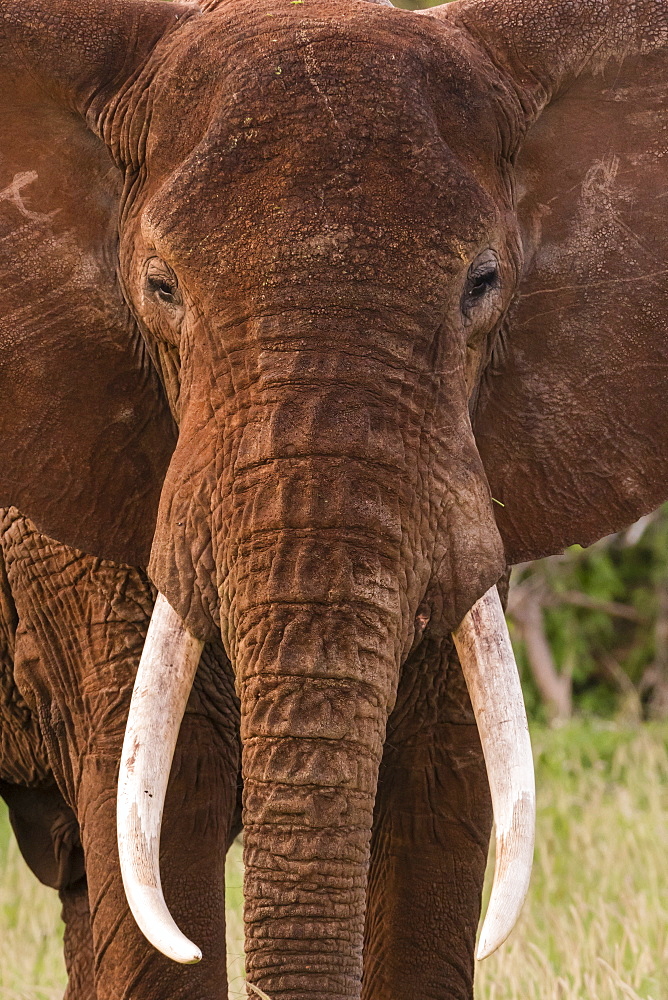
[[336, 338]]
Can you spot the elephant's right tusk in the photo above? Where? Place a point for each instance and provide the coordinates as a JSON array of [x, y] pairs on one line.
[[164, 679], [490, 671]]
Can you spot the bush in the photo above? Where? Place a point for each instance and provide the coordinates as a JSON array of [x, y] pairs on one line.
[[591, 627]]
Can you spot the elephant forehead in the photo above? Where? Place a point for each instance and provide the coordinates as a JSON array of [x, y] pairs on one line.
[[255, 198], [281, 53], [354, 115]]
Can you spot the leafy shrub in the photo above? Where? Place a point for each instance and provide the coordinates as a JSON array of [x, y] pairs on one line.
[[604, 614]]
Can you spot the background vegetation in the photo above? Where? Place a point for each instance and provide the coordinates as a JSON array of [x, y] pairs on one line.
[[417, 4], [595, 926], [590, 628]]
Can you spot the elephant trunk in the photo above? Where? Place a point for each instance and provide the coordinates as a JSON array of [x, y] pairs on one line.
[[303, 824], [324, 513], [318, 620], [316, 693]]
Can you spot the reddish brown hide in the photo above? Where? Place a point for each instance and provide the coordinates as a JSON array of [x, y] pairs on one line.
[[321, 238]]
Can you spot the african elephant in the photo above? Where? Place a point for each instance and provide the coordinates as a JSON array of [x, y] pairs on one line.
[[315, 316]]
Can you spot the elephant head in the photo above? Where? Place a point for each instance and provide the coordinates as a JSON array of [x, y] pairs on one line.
[[377, 268]]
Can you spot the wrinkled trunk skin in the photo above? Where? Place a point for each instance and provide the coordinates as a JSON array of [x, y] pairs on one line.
[[318, 618], [304, 514], [316, 686]]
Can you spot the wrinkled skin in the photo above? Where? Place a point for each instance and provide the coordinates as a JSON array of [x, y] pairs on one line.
[[76, 628], [309, 285]]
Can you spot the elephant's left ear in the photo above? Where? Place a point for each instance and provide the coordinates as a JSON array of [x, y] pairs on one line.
[[572, 421], [85, 433]]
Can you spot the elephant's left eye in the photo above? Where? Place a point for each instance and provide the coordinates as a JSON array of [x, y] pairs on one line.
[[483, 277]]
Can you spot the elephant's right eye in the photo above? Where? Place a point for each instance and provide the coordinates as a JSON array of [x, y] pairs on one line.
[[163, 289], [482, 280], [162, 284]]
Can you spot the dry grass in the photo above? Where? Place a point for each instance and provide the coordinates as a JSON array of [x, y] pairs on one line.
[[596, 923], [31, 963], [595, 926], [234, 877]]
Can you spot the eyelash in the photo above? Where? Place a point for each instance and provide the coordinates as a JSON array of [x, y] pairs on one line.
[[482, 282], [162, 288]]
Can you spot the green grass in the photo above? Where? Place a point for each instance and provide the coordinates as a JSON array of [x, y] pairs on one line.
[[596, 923], [31, 962], [595, 926], [234, 877]]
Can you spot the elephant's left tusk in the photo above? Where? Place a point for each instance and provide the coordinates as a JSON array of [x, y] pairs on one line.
[[490, 671], [164, 679]]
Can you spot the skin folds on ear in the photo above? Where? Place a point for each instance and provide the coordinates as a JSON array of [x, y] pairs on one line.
[[571, 418], [86, 434]]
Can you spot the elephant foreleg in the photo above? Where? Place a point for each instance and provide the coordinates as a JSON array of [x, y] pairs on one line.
[[79, 634], [78, 944], [431, 831], [48, 836]]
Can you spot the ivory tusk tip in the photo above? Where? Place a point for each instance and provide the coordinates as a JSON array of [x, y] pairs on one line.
[[489, 942], [192, 956], [512, 873], [497, 928], [166, 671], [490, 671], [156, 924], [483, 953], [196, 956]]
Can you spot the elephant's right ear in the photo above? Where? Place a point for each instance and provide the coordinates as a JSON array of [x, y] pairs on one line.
[[571, 421], [85, 431]]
